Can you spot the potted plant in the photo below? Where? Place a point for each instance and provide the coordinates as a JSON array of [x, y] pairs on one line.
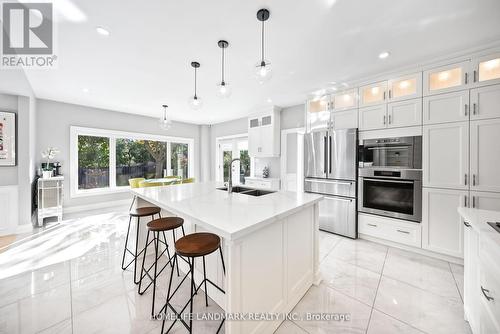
[[49, 154]]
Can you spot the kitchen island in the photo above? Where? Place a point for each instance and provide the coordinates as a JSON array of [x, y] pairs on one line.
[[270, 245]]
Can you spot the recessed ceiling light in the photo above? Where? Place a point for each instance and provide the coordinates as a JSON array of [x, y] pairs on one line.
[[102, 31], [86, 90], [269, 100], [384, 55]]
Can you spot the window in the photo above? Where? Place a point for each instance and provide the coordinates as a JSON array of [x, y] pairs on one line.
[[102, 161], [228, 149]]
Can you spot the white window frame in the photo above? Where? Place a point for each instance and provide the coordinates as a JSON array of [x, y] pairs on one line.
[[218, 163], [76, 131]]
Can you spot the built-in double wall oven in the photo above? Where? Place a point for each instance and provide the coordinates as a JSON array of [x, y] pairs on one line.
[[390, 177]]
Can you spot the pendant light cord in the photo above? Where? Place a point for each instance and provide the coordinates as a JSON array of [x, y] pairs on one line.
[[195, 83], [222, 66], [262, 41]]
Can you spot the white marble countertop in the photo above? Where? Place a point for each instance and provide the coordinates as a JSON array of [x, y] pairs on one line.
[[479, 220], [229, 215]]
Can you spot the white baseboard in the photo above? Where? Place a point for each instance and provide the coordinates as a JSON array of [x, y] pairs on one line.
[[413, 249], [96, 206]]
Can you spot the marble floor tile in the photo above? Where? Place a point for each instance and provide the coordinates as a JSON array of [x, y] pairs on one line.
[[419, 308], [458, 273], [352, 280], [64, 327], [362, 253], [327, 241], [37, 312], [381, 323], [323, 299], [288, 327], [421, 271]]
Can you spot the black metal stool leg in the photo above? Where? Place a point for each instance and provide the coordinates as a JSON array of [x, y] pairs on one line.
[[136, 246], [193, 292], [142, 267], [168, 296], [166, 246], [126, 242], [173, 235], [222, 258], [205, 280], [157, 240]]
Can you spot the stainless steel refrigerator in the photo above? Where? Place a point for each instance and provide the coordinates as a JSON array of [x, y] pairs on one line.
[[330, 167]]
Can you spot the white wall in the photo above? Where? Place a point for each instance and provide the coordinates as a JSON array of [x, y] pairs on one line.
[[56, 118], [291, 117]]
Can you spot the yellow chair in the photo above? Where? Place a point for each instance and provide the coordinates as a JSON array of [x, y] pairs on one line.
[[189, 180], [170, 177], [134, 183], [145, 184]]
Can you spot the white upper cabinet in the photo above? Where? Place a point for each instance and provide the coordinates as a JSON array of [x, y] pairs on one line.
[[345, 100], [447, 78], [345, 119], [373, 118], [485, 155], [405, 87], [485, 102], [373, 94], [404, 113], [444, 108], [319, 104], [486, 70], [318, 112], [445, 155], [264, 133]]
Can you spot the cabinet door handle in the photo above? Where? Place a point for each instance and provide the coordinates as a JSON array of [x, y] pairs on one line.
[[465, 179], [390, 93], [466, 78], [384, 119], [465, 201], [384, 95], [475, 75], [401, 231], [466, 224], [373, 225], [474, 108], [473, 179], [473, 201], [389, 119], [484, 291], [465, 108]]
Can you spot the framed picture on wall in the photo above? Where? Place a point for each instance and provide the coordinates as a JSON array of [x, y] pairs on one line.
[[7, 138]]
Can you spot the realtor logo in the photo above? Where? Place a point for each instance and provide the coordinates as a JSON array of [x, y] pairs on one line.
[[28, 33]]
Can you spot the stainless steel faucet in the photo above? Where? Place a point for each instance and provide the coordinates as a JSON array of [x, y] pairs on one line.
[[230, 183]]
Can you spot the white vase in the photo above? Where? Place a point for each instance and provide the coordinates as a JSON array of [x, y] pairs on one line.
[[47, 174]]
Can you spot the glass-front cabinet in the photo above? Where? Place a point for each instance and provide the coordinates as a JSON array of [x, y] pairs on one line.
[[447, 78], [405, 87], [486, 69], [373, 94], [318, 112], [345, 100]]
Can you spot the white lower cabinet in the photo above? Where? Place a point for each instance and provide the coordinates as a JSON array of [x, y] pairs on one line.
[[404, 113], [485, 200], [442, 226], [445, 108], [472, 303], [485, 154], [396, 230], [445, 155], [346, 119]]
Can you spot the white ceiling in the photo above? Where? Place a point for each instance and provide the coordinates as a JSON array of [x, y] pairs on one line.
[[145, 60]]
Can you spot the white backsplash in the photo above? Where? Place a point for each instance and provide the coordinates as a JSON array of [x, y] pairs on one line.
[[272, 163]]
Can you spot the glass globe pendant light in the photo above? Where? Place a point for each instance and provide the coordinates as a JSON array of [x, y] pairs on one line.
[[165, 122], [223, 89], [263, 70], [195, 101]]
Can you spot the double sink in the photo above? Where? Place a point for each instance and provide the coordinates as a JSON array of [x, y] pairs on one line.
[[248, 191]]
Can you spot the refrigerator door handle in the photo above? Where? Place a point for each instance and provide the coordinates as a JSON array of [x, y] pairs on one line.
[[330, 154], [326, 153]]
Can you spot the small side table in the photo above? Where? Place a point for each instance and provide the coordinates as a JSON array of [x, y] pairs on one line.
[[50, 198]]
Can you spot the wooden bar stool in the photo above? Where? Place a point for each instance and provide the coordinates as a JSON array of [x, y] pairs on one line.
[[190, 247], [156, 227], [137, 213]]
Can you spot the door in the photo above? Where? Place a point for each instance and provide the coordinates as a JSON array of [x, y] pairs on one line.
[[373, 94], [345, 100], [485, 155], [445, 155], [487, 69], [315, 150], [485, 102], [405, 87], [444, 108], [404, 113], [343, 146], [449, 78], [338, 215], [346, 119], [372, 118], [442, 226], [485, 200]]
